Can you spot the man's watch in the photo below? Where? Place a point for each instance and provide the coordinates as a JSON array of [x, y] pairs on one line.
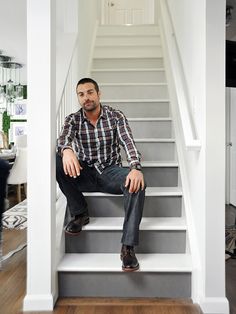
[[136, 167]]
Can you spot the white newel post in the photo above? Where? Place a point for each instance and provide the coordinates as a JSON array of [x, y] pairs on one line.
[[41, 274], [215, 300]]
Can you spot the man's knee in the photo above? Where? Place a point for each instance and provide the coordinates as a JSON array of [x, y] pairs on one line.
[[140, 191]]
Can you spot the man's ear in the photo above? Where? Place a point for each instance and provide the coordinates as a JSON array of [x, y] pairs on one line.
[[99, 93]]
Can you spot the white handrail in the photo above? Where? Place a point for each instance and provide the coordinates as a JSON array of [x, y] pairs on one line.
[[189, 130], [65, 103]]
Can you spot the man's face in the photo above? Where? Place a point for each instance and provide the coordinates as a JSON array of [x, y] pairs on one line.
[[88, 97]]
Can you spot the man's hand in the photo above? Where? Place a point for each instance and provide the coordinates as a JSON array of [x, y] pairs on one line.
[[135, 181], [71, 164]]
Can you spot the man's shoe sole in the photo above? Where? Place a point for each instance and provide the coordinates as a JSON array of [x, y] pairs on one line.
[[130, 269], [76, 233]]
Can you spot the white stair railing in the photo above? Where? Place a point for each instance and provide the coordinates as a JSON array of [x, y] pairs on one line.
[[65, 106], [188, 126]]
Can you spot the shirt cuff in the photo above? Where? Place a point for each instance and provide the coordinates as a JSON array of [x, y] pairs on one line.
[[61, 149]]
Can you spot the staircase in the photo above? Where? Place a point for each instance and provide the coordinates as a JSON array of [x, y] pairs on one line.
[[128, 65]]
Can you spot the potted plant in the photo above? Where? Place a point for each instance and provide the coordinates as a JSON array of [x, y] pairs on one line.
[[5, 127]]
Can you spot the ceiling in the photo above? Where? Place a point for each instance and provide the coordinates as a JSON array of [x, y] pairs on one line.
[[13, 32]]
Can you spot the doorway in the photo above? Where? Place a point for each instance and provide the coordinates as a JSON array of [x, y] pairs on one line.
[[131, 12]]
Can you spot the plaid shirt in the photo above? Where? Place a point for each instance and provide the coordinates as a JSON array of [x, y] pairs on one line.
[[99, 145]]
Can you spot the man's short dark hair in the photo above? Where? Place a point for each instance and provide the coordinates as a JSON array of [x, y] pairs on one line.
[[88, 80]]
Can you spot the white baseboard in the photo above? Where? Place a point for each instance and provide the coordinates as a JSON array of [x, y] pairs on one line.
[[214, 305], [38, 302]]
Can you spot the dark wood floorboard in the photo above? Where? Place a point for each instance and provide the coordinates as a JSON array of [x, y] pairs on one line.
[[13, 273]]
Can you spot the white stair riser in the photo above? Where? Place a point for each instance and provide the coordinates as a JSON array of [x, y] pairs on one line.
[[151, 129], [109, 241], [128, 31], [141, 109], [137, 284], [134, 91], [105, 63], [129, 76], [125, 40], [124, 52], [155, 151]]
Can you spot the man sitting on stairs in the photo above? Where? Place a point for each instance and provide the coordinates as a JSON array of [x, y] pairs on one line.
[[89, 160]]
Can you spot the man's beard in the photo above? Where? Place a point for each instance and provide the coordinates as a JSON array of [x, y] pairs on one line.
[[89, 106]]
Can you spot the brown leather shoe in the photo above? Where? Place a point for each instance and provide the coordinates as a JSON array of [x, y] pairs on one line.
[[75, 226], [129, 260]]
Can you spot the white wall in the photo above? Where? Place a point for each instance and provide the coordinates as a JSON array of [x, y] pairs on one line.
[[88, 18], [66, 36], [13, 33], [199, 29], [75, 30]]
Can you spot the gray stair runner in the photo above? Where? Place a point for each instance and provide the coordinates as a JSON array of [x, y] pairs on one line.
[[128, 65]]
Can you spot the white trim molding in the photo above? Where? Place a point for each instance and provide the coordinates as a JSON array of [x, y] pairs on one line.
[[214, 305], [36, 302]]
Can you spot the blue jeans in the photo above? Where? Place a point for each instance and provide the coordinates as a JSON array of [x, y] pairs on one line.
[[112, 181]]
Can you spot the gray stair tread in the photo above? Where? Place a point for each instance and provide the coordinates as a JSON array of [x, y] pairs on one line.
[[126, 57], [147, 223], [107, 262], [150, 191], [154, 140], [127, 69], [158, 164], [135, 100], [133, 84], [150, 119]]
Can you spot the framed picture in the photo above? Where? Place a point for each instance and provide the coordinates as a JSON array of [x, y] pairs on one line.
[[17, 128], [19, 110]]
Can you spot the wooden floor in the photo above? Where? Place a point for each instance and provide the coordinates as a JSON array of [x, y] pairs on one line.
[[13, 282], [13, 287], [13, 273]]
